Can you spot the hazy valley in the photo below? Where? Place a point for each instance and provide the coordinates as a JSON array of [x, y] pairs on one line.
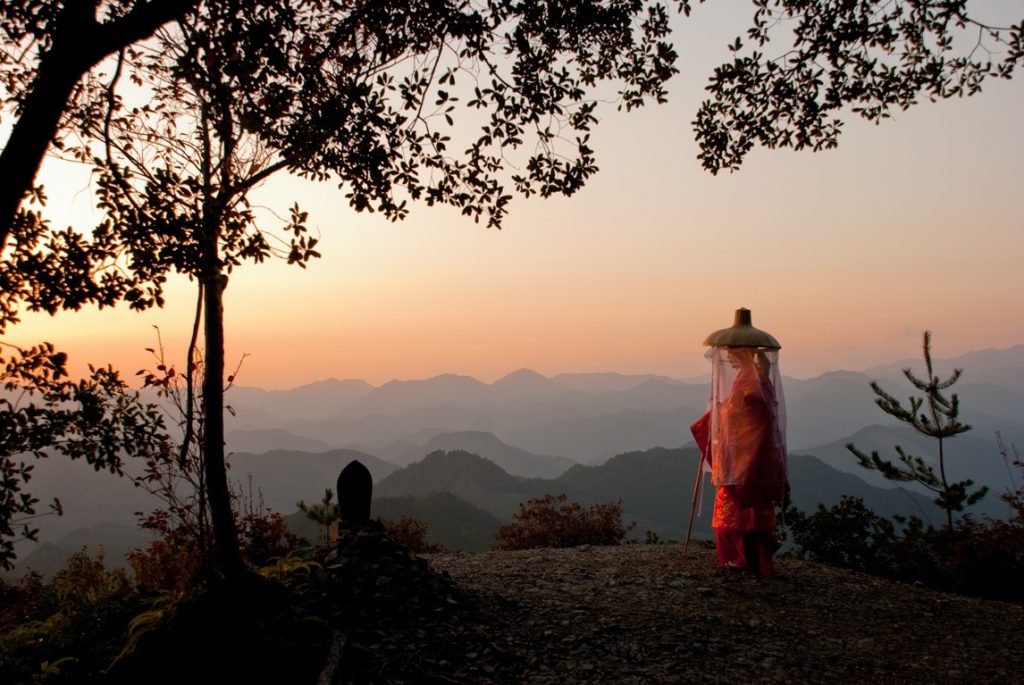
[[595, 437]]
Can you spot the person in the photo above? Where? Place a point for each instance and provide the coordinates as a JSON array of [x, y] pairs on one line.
[[741, 437]]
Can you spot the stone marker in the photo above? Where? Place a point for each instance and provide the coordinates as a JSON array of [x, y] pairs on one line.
[[355, 490]]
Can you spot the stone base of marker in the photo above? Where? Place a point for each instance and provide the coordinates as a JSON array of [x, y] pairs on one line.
[[389, 608], [393, 608]]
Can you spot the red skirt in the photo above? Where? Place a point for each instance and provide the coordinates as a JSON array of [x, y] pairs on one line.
[[744, 538]]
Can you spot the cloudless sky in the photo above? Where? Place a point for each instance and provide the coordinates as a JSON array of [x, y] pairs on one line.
[[845, 256]]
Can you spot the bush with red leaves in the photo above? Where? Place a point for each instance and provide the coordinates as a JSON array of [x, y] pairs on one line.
[[412, 533], [550, 521]]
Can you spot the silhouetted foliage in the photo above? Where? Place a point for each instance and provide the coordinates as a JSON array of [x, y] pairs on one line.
[[981, 558], [862, 57], [363, 92], [940, 421], [247, 631], [97, 419], [66, 630], [551, 522]]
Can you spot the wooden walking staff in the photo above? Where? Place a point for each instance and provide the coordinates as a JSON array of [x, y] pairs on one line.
[[693, 505], [741, 334]]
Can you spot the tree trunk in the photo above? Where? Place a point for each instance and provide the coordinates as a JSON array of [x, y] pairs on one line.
[[225, 539], [945, 485], [38, 123]]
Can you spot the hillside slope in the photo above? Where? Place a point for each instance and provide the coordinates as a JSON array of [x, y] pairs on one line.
[[655, 487]]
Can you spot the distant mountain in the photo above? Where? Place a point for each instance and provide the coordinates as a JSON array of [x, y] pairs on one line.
[[655, 486], [283, 477], [245, 417], [525, 383], [605, 382], [88, 496], [827, 407], [480, 482], [512, 459], [990, 405], [996, 366], [413, 425], [657, 395], [116, 540], [100, 507], [595, 439], [258, 441], [451, 522], [317, 400], [588, 418], [568, 414], [46, 558], [399, 396]]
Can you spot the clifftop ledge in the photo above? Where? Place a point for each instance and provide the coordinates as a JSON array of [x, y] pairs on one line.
[[647, 614]]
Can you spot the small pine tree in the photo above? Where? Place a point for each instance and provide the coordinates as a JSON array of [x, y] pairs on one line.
[[324, 513], [939, 421]]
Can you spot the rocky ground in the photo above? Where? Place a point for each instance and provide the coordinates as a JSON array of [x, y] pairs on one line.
[[649, 614]]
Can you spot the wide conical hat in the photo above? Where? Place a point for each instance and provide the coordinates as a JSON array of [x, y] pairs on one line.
[[742, 334]]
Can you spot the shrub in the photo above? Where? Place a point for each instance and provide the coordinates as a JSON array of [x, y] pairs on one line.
[[986, 559], [982, 558], [170, 564], [848, 534], [412, 533], [264, 535], [66, 630], [549, 521]]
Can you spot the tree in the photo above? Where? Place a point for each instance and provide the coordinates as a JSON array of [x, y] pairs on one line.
[[861, 57], [940, 421], [96, 419], [324, 514], [47, 48], [868, 55], [363, 93]]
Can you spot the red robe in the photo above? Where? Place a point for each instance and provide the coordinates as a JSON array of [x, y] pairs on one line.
[[750, 474]]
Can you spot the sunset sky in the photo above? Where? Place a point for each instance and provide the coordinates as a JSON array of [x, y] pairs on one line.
[[844, 256]]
